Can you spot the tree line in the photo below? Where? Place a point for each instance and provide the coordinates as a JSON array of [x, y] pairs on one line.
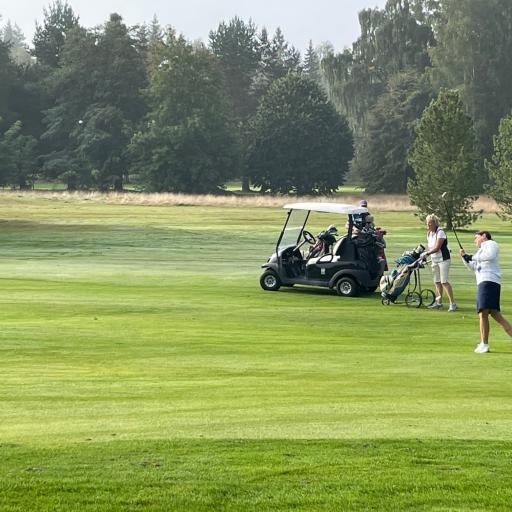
[[426, 91], [115, 105], [420, 103]]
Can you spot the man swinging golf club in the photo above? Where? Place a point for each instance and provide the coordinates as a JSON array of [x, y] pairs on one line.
[[485, 264]]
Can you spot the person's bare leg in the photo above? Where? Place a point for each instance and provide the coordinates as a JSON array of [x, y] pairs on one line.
[[439, 293], [502, 321], [449, 291], [484, 326]]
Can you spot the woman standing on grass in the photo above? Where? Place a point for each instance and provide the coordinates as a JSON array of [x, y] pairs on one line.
[[440, 255], [486, 266]]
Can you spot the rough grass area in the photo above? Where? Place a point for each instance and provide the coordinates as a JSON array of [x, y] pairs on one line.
[[378, 202], [144, 369]]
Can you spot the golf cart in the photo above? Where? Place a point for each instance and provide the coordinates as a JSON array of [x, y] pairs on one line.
[[350, 265]]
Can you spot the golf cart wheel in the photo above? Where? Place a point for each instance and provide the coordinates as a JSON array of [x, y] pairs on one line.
[[269, 281], [346, 287], [413, 300], [427, 297]]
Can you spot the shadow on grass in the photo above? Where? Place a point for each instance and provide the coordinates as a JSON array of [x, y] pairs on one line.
[[258, 475]]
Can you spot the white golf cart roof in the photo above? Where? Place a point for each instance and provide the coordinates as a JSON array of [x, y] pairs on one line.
[[347, 209]]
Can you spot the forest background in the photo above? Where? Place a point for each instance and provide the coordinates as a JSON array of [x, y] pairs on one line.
[[142, 108]]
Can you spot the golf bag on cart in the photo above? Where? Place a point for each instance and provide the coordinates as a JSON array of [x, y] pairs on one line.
[[324, 243], [393, 284]]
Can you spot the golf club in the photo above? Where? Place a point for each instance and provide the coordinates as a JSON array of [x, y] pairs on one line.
[[443, 195]]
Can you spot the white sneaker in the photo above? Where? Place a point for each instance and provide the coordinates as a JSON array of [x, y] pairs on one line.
[[452, 307], [436, 305], [482, 348]]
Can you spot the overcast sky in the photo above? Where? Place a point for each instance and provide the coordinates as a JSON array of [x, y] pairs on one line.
[[301, 20]]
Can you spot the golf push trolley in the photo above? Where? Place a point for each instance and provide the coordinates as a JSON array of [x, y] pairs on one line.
[[406, 278]]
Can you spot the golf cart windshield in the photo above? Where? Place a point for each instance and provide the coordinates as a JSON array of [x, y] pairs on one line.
[[293, 229]]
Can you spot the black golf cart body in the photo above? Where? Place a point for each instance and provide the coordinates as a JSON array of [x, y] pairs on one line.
[[353, 264]]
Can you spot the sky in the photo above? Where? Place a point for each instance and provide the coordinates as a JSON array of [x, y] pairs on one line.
[[300, 20]]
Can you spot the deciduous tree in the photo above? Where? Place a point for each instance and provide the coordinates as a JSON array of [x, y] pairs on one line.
[[300, 143], [392, 40], [474, 54]]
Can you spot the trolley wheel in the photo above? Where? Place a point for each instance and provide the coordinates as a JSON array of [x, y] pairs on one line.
[[385, 302], [428, 297], [413, 300]]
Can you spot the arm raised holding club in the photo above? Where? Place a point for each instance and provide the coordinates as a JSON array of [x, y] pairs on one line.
[[485, 264]]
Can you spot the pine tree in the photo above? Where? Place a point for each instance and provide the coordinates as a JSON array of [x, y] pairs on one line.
[[311, 67], [499, 168], [445, 160], [17, 151], [381, 156], [49, 38], [188, 142]]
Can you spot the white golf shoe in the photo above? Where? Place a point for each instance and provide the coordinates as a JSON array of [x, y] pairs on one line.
[[482, 348]]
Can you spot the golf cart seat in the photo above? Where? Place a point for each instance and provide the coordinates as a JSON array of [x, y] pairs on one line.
[[345, 249], [327, 258]]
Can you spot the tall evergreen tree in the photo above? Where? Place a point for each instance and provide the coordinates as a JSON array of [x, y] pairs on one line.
[[49, 38], [499, 167], [17, 162], [98, 106], [311, 67], [381, 156], [188, 143], [146, 36], [444, 159], [72, 87], [117, 107], [13, 35], [277, 59], [8, 85], [235, 45]]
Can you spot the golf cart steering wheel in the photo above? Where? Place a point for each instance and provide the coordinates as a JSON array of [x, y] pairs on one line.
[[310, 239]]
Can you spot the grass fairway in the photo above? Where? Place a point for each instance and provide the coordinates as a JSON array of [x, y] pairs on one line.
[[143, 368]]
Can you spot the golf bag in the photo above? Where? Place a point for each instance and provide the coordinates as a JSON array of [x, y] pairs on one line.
[[368, 248], [324, 243], [393, 284]]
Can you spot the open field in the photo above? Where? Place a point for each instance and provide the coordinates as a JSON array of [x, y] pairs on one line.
[[142, 368]]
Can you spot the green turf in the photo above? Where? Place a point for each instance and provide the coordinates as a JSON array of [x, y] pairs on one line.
[[142, 368]]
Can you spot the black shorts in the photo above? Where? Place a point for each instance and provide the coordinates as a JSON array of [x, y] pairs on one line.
[[488, 296]]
